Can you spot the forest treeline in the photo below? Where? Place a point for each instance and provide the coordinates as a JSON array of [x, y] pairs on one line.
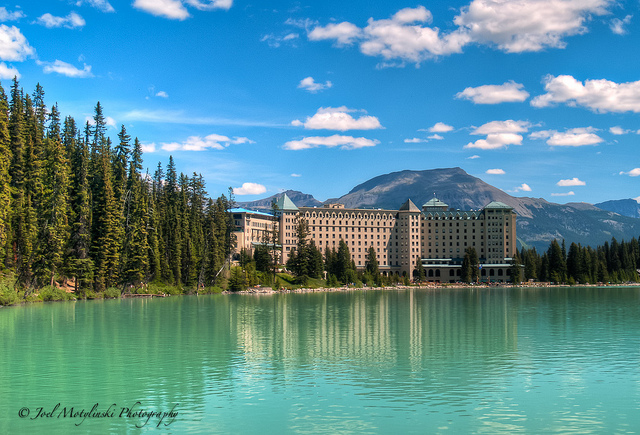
[[615, 262], [76, 208], [77, 211]]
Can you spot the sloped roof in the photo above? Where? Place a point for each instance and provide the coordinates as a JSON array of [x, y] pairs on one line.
[[498, 204], [244, 210], [409, 206], [435, 202], [284, 203]]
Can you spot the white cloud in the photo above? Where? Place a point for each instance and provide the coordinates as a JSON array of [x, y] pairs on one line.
[[309, 84], [276, 41], [495, 172], [435, 137], [499, 134], [617, 25], [344, 33], [513, 26], [162, 94], [524, 187], [571, 193], [440, 127], [598, 95], [338, 118], [249, 189], [509, 92], [571, 182], [632, 173], [66, 69], [6, 15], [508, 126], [496, 141], [14, 47], [210, 4], [415, 140], [148, 148], [344, 142], [172, 9], [8, 72], [296, 175], [108, 121], [180, 117], [402, 37], [102, 5], [71, 21], [617, 130], [473, 157], [198, 143], [574, 137], [532, 25]]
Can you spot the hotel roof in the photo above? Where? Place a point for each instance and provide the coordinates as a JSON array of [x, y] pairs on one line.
[[244, 210]]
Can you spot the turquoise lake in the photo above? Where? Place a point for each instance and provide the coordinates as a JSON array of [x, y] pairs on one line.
[[523, 360]]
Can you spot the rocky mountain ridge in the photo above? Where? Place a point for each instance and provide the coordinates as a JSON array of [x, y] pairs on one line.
[[538, 221]]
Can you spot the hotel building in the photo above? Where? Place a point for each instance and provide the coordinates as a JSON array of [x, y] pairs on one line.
[[435, 236]]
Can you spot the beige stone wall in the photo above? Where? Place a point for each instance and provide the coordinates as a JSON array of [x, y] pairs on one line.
[[251, 228], [401, 238]]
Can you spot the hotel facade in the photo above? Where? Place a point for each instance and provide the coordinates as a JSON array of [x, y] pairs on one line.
[[435, 236]]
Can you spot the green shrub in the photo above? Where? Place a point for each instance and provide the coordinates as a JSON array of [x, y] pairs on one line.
[[49, 293], [8, 295], [111, 293]]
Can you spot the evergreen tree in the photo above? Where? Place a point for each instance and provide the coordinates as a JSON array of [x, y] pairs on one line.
[[5, 177], [79, 263], [515, 271], [372, 262], [54, 205], [557, 263], [469, 272]]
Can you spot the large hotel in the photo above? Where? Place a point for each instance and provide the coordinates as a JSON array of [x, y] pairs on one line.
[[436, 236]]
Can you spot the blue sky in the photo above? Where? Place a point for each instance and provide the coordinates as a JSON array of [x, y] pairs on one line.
[[539, 98]]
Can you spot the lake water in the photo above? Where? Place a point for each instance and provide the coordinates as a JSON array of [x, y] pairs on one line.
[[552, 360]]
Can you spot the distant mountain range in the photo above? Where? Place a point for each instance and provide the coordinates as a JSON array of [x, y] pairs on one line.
[[624, 207], [539, 221]]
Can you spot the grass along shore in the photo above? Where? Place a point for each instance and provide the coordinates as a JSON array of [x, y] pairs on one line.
[[9, 295]]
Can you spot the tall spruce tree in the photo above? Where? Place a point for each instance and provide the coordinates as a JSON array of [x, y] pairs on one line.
[[54, 205], [5, 178], [79, 264]]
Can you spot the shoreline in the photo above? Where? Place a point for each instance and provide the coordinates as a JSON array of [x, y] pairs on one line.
[[269, 290]]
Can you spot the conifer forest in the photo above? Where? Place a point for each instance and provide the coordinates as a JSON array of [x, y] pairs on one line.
[[75, 208], [78, 215]]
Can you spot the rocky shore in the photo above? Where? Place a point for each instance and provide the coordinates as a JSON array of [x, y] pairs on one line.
[[269, 290]]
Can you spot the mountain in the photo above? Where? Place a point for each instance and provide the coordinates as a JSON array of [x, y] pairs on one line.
[[452, 186], [538, 221], [300, 199], [624, 207]]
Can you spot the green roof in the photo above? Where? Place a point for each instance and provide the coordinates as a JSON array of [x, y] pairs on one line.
[[435, 202], [284, 203], [498, 204]]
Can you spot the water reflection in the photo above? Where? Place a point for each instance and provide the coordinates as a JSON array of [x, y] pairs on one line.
[[473, 361]]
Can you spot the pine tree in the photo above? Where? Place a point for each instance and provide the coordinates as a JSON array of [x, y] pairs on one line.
[[54, 205], [469, 272], [136, 249], [5, 178], [79, 264]]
